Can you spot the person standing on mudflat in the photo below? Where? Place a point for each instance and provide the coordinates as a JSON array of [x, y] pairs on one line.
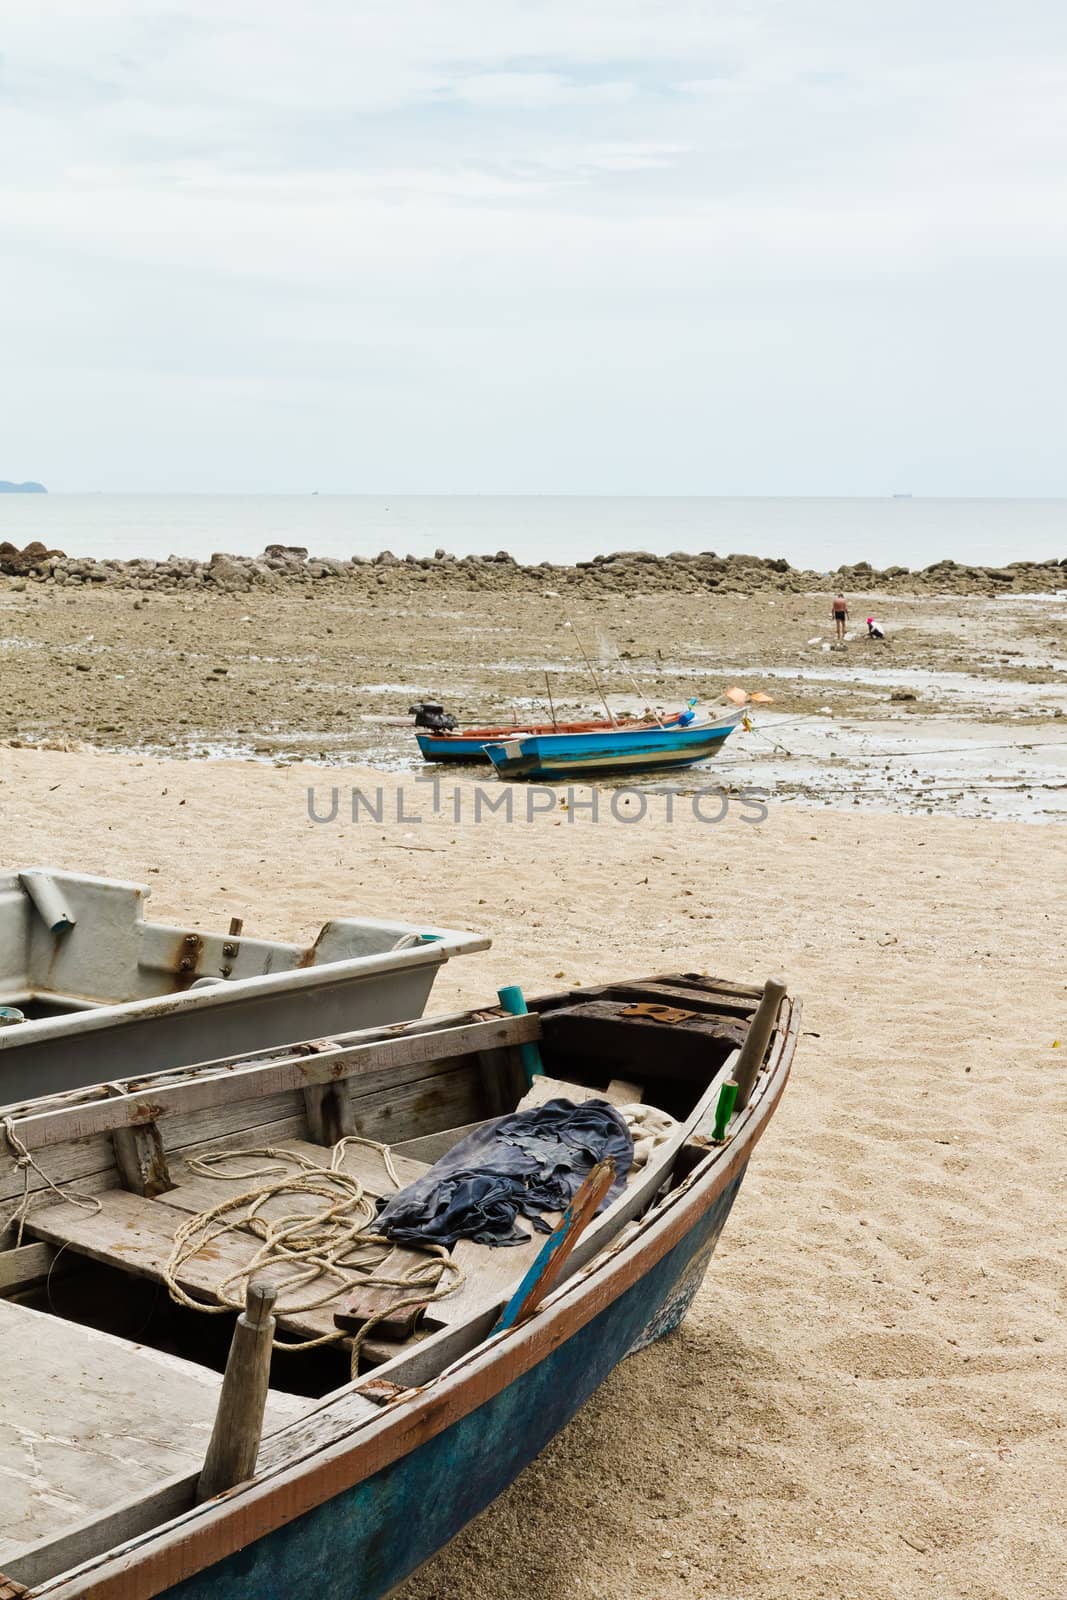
[[839, 612]]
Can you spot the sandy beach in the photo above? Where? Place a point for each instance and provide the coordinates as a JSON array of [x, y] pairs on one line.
[[962, 712], [868, 1397]]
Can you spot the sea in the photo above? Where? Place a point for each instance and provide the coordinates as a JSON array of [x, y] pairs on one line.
[[814, 533]]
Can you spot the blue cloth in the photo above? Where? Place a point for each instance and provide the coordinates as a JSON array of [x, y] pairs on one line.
[[529, 1162]]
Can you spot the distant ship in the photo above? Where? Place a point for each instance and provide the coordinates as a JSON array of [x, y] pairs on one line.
[[901, 497]]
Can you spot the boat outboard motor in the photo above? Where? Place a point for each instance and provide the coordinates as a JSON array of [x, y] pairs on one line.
[[428, 714]]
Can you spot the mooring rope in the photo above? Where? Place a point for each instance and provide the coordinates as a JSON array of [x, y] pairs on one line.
[[26, 1163], [332, 1247]]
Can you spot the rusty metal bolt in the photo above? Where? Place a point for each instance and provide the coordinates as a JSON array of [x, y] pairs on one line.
[[229, 950], [192, 938], [186, 965]]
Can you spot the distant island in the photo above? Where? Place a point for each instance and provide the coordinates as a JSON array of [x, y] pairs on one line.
[[21, 488]]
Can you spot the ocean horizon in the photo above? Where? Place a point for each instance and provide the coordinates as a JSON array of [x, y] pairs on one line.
[[808, 532]]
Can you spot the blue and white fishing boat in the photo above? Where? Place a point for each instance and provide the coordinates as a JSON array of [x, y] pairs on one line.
[[654, 747], [351, 1436], [441, 739]]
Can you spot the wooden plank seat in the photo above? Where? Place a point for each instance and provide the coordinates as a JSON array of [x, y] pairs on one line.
[[137, 1234], [492, 1273], [88, 1419], [195, 1192]]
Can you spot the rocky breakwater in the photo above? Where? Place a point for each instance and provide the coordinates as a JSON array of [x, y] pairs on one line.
[[628, 571]]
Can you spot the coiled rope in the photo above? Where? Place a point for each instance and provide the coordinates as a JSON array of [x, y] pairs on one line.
[[330, 1251]]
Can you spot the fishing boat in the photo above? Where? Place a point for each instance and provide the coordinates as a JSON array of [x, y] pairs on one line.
[[653, 747], [440, 738], [140, 1459], [90, 990]]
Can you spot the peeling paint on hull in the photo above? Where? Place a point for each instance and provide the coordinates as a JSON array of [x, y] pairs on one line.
[[360, 1544]]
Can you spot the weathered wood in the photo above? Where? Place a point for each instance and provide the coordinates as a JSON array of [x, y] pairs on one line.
[[194, 1192], [197, 1090], [598, 1032], [758, 1038], [544, 1274], [329, 1112], [688, 997], [10, 1590], [493, 1067], [101, 1531], [87, 1420], [334, 1419], [327, 1464], [137, 1236], [363, 1304], [424, 1106], [432, 1146], [141, 1160], [231, 1455], [491, 1276], [545, 1088], [21, 1268], [492, 1271], [83, 1163]]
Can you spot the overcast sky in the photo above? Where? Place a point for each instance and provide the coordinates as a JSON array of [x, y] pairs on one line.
[[811, 247]]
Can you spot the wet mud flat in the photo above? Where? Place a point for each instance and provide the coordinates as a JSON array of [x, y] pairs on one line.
[[949, 715]]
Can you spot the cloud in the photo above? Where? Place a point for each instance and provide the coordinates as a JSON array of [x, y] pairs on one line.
[[571, 188]]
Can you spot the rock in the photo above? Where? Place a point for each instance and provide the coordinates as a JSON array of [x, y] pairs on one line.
[[20, 563], [903, 694], [228, 572], [287, 552]]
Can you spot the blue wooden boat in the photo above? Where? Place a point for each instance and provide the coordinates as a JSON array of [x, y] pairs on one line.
[[440, 739], [651, 748], [352, 1481]]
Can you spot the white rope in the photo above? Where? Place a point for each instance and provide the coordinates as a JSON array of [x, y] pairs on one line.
[[330, 1251], [25, 1162]]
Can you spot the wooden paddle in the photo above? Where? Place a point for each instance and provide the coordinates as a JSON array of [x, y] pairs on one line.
[[544, 1272]]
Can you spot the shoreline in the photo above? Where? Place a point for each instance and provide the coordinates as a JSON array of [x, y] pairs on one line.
[[326, 671], [621, 571]]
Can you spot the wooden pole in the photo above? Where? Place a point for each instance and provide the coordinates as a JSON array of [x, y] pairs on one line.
[[637, 692], [756, 1041], [231, 1455], [585, 657], [552, 1257], [551, 702]]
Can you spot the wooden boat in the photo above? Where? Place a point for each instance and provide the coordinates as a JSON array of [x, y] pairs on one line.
[[131, 1469], [652, 748], [91, 990], [441, 740]]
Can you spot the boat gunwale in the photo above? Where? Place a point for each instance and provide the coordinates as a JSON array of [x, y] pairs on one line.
[[200, 1538], [438, 946]]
